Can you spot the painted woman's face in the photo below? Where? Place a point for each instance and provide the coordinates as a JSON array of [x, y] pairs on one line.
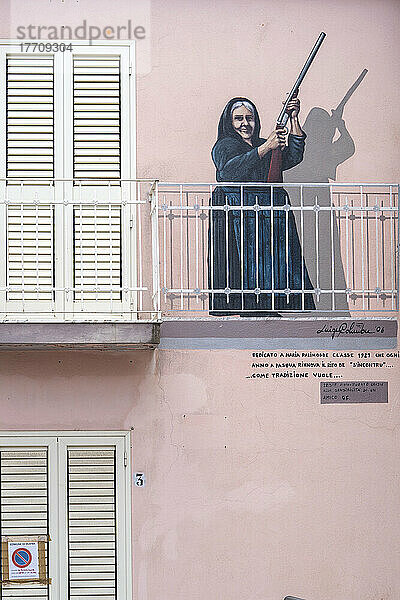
[[243, 122]]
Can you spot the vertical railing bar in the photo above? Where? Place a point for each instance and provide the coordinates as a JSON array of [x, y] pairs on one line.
[[165, 246], [353, 265], [377, 246], [5, 274], [257, 251], [303, 266], [196, 221], [287, 250], [362, 247], [211, 265], [110, 276], [338, 215], [317, 244], [171, 250], [138, 216], [37, 249], [391, 244], [181, 244], [242, 246], [382, 253], [227, 247], [53, 247], [332, 248], [111, 245], [397, 250], [23, 257], [367, 250], [96, 246], [347, 247], [187, 250], [81, 255], [3, 265], [156, 266], [272, 249]]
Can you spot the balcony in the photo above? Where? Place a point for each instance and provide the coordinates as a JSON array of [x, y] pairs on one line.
[[105, 262]]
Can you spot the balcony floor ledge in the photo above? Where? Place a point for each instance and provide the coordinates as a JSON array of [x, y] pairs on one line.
[[79, 336]]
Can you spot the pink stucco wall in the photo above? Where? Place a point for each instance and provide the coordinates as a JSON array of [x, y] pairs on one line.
[[254, 490], [303, 499], [197, 55], [204, 53]]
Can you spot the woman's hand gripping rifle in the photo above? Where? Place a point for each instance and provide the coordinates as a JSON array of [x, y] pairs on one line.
[[275, 168]]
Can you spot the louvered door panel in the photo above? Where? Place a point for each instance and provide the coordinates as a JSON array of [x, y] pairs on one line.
[[97, 252], [30, 116], [92, 523], [24, 505], [30, 252], [97, 117]]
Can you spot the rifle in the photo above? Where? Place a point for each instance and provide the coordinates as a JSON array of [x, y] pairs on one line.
[[275, 168]]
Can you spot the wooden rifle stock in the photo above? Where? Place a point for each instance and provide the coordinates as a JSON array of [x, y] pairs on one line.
[[275, 167]]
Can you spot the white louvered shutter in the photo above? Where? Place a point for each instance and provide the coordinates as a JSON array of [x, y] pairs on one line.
[[100, 114], [97, 253], [30, 115], [30, 252], [29, 160], [76, 490], [92, 523], [97, 116], [69, 247], [24, 505]]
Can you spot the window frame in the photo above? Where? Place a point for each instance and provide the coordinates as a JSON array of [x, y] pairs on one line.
[[63, 260]]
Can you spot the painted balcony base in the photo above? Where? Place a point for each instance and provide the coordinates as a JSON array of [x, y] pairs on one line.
[[264, 334], [87, 336]]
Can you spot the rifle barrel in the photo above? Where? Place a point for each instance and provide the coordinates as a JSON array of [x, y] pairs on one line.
[[283, 116]]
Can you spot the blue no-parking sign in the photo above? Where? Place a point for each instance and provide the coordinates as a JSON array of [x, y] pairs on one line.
[[23, 560]]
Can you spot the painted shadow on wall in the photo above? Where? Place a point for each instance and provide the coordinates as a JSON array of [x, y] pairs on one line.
[[328, 145]]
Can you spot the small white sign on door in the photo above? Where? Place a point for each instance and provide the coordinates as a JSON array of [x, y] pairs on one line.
[[23, 560]]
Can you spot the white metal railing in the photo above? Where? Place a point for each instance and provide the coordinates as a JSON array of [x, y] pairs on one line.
[[346, 249], [132, 250], [77, 250]]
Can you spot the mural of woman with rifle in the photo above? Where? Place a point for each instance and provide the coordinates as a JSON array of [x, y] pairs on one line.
[[242, 253], [256, 250]]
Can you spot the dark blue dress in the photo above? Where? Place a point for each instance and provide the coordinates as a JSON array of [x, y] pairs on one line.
[[242, 254]]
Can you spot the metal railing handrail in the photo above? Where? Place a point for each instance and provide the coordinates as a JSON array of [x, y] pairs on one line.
[[79, 179], [280, 184]]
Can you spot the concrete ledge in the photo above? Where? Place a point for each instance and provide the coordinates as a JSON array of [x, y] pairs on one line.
[[87, 336]]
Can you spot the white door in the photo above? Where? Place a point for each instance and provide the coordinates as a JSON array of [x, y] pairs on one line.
[[75, 489]]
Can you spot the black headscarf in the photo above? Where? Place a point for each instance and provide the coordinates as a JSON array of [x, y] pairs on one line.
[[225, 127]]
